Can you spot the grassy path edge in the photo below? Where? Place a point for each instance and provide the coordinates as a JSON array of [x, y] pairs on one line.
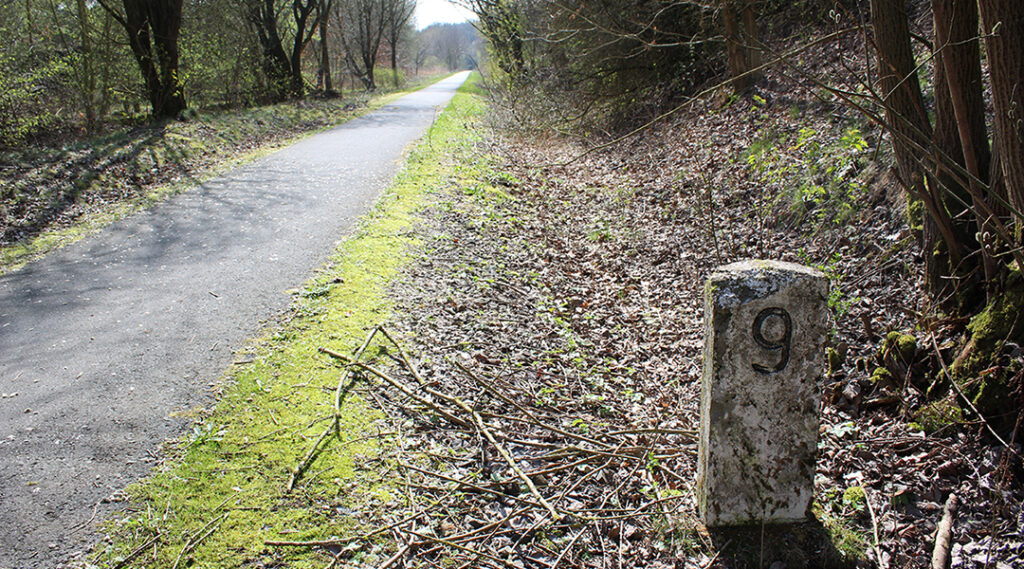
[[221, 493]]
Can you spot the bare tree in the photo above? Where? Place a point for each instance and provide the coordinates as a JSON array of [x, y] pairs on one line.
[[364, 24], [153, 28], [398, 13], [501, 22], [324, 71], [284, 68]]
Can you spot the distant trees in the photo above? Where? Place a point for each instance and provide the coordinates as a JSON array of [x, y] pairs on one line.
[[76, 65], [452, 46], [502, 22], [363, 25], [591, 63]]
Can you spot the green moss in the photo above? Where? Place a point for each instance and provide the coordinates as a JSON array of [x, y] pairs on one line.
[[899, 346], [836, 359], [848, 541], [989, 331], [881, 375], [223, 491], [835, 512], [938, 414], [855, 498], [915, 214]]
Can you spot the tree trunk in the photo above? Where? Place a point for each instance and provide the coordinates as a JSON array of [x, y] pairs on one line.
[[165, 19], [325, 56], [1003, 27], [301, 12], [275, 63], [735, 52], [907, 119], [107, 55], [960, 134], [88, 79], [153, 27], [750, 39], [740, 26], [394, 61]]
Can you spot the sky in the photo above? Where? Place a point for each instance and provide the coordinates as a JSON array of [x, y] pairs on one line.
[[434, 11]]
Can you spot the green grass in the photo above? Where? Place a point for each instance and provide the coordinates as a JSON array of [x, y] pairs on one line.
[[223, 491], [115, 173]]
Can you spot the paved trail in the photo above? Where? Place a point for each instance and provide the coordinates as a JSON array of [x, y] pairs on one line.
[[101, 341]]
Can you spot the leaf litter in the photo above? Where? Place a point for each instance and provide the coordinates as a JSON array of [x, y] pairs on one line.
[[555, 318]]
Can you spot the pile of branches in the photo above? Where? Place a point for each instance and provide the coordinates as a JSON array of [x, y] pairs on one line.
[[503, 481]]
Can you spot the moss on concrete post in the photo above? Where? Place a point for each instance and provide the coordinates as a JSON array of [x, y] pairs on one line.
[[765, 328]]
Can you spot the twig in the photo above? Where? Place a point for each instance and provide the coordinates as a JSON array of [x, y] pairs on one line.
[[348, 540], [339, 393], [405, 358], [321, 543], [511, 462], [203, 533], [488, 527], [467, 484], [301, 467], [944, 535], [566, 549], [533, 418], [82, 525], [874, 529], [681, 432], [397, 556], [334, 561], [461, 547], [137, 552], [399, 523], [402, 387]]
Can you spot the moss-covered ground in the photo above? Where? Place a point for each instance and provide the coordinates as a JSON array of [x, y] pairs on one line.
[[223, 491]]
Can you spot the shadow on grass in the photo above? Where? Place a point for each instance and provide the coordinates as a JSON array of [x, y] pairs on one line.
[[778, 546]]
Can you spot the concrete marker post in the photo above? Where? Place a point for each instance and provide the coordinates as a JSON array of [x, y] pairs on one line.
[[765, 328]]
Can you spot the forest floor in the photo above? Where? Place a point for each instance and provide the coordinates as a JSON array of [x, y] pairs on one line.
[[568, 311], [556, 319]]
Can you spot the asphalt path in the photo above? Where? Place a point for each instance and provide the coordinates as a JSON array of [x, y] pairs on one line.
[[103, 341]]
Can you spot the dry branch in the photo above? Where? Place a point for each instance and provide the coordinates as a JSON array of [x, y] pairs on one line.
[[137, 552], [303, 465], [339, 393], [203, 533], [944, 534], [402, 387]]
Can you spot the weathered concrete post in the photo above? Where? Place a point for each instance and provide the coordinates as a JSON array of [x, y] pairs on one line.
[[765, 325]]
